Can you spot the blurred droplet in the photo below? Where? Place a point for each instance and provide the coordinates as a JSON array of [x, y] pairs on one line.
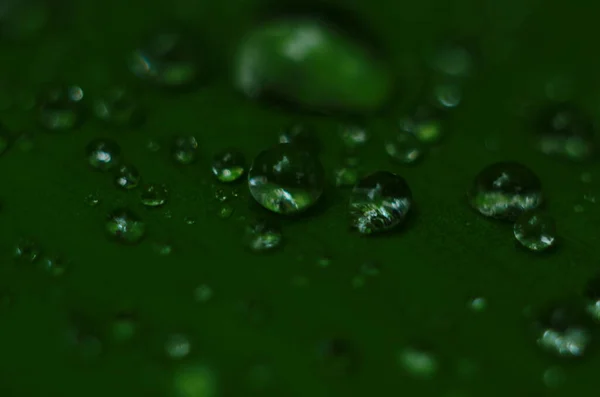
[[162, 248], [418, 362], [562, 330], [448, 95], [185, 149], [535, 231], [194, 380], [302, 135], [127, 177], [154, 195], [61, 109], [55, 265], [124, 327], [261, 236], [554, 377], [125, 227], [225, 211], [229, 166], [354, 136], [477, 304], [345, 177], [404, 148]]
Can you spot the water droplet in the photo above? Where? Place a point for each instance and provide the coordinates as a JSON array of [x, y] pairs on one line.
[[154, 195], [286, 179], [418, 362], [263, 236], [229, 166], [91, 200], [564, 130], [404, 148], [354, 136], [5, 139], [103, 154], [194, 381], [337, 357], [563, 331], [345, 177], [177, 346], [127, 177], [117, 107], [425, 124], [225, 211], [477, 304], [505, 190], [448, 95], [304, 61], [221, 195], [535, 230], [27, 251], [124, 226], [162, 248], [203, 293], [167, 59], [592, 296], [379, 202], [554, 377], [60, 108], [55, 265], [189, 220], [124, 327], [302, 135], [185, 149]]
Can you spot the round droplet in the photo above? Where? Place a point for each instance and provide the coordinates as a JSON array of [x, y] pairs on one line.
[[337, 357], [55, 265], [345, 177], [127, 177], [91, 200], [477, 304], [60, 108], [103, 154], [301, 135], [27, 251], [505, 190], [229, 166], [453, 60], [379, 202], [185, 149], [404, 148], [5, 139], [418, 362], [535, 231], [125, 227], [448, 95], [117, 107], [178, 346], [354, 136], [563, 130], [203, 293], [262, 236], [168, 59], [225, 211], [286, 179], [563, 331], [154, 195]]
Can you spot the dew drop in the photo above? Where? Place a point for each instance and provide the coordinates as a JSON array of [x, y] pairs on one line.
[[225, 211], [203, 293], [167, 59], [125, 227], [565, 131], [379, 202], [91, 200], [563, 331], [404, 148], [262, 236], [535, 231], [55, 265], [177, 346], [118, 108], [453, 60], [60, 108], [286, 179], [578, 208], [418, 362], [324, 261], [505, 190], [590, 198], [27, 251], [103, 154], [337, 357], [345, 177], [229, 166], [189, 220], [127, 177], [354, 136], [154, 195], [302, 135], [185, 149]]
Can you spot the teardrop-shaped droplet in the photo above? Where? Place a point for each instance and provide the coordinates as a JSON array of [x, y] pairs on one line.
[[185, 149], [261, 236], [404, 148], [154, 195], [127, 177]]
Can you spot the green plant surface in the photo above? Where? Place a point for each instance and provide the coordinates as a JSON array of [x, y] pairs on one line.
[[444, 254]]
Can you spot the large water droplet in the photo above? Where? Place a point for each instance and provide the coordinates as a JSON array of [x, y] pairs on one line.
[[185, 149], [154, 195], [505, 190], [563, 331], [229, 166], [453, 60], [262, 236], [103, 154], [535, 230], [379, 202], [286, 179], [167, 59], [404, 148], [564, 130], [127, 177], [125, 227], [117, 107], [306, 62], [425, 123], [300, 135], [60, 108]]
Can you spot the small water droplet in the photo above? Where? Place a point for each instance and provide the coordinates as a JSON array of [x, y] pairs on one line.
[[118, 108], [60, 108], [153, 145], [55, 265], [425, 124], [127, 177], [124, 327], [535, 231], [418, 362], [185, 149], [162, 248], [103, 154], [448, 95], [154, 195], [91, 200], [554, 377], [262, 236], [178, 346], [379, 202], [404, 148], [354, 136], [229, 166], [477, 304], [505, 190], [203, 293], [563, 331], [345, 177], [302, 135], [27, 251], [221, 195], [225, 211], [125, 227], [286, 179], [337, 357]]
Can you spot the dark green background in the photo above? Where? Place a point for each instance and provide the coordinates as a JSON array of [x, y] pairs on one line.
[[430, 268]]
